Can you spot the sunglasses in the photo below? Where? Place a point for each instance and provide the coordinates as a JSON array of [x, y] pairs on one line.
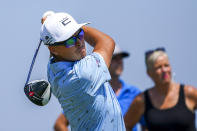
[[72, 40], [149, 52]]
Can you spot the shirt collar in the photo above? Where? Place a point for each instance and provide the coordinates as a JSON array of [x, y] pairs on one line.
[[59, 66]]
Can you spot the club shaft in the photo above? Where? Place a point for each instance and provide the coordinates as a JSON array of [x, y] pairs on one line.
[[32, 63]]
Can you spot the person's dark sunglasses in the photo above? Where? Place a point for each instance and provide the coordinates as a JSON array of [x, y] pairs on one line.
[[149, 52], [72, 40]]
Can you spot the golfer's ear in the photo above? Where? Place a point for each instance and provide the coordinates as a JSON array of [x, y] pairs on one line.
[[52, 49]]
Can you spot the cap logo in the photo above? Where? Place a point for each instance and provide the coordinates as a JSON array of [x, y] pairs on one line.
[[48, 39], [65, 21]]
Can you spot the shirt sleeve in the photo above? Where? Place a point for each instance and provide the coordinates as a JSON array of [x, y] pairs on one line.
[[93, 68]]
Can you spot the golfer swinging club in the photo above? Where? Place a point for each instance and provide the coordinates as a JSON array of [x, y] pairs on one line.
[[80, 82]]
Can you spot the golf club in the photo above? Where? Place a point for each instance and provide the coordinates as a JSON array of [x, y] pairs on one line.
[[37, 91]]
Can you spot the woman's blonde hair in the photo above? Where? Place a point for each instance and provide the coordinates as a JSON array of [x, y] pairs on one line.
[[152, 57]]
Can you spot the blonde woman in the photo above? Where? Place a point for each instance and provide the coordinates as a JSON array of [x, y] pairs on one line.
[[167, 106]]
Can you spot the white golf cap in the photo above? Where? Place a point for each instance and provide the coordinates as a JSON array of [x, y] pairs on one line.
[[118, 51], [58, 27]]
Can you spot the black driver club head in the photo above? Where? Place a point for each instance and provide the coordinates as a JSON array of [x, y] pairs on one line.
[[38, 92]]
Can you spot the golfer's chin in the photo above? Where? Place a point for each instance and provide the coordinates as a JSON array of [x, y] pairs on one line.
[[80, 56], [83, 53]]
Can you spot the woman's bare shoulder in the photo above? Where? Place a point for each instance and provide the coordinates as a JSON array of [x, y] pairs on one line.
[[190, 91], [139, 99]]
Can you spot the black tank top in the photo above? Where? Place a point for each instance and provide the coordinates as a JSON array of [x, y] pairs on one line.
[[177, 118]]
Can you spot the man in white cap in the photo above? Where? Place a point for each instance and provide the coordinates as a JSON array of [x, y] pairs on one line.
[[125, 93], [80, 82]]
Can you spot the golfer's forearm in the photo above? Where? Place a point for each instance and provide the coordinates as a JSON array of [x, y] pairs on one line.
[[95, 37], [101, 42]]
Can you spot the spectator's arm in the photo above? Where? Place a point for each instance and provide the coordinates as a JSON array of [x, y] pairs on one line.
[[61, 124], [134, 113], [191, 97]]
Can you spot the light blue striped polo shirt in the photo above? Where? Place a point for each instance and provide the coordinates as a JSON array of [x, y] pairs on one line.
[[83, 90]]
